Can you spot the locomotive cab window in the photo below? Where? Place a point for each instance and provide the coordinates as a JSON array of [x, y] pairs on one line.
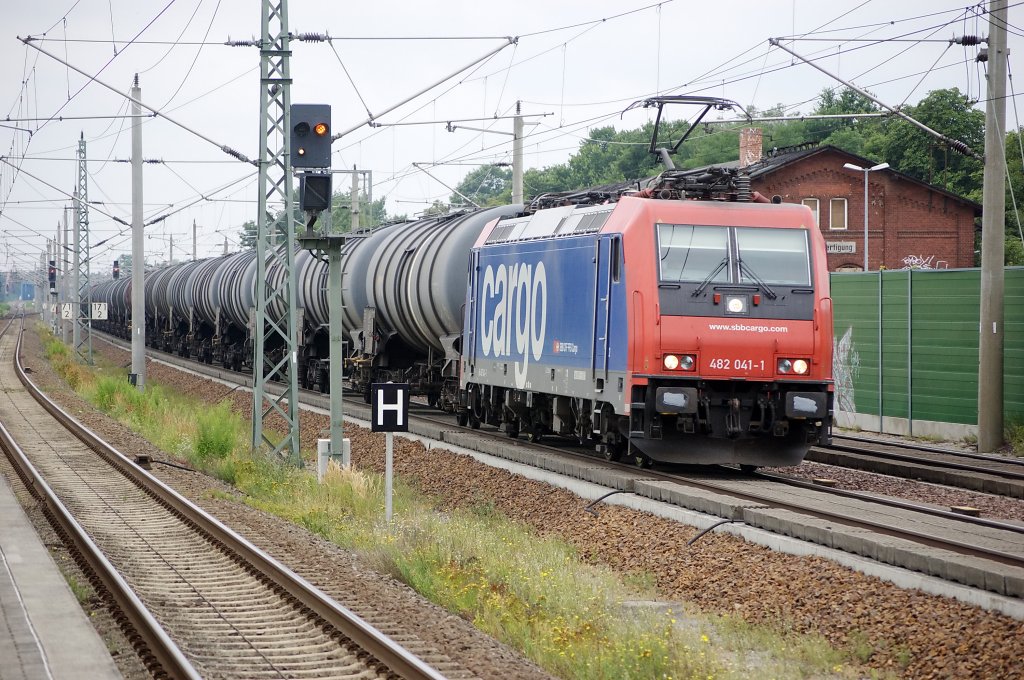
[[775, 255], [689, 253], [733, 255]]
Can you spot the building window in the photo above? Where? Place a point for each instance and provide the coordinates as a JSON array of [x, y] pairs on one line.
[[837, 214], [812, 203]]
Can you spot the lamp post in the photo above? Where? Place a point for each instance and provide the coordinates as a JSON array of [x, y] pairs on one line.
[[880, 166]]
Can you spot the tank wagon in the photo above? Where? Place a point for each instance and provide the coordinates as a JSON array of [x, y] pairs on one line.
[[685, 321]]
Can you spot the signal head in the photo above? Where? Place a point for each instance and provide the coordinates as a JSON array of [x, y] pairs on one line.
[[310, 136]]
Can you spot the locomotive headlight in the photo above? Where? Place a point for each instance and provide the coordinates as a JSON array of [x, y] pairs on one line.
[[678, 362], [736, 304], [795, 366]]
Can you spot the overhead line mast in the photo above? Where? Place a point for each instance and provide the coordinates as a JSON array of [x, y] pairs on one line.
[[276, 345], [82, 313]]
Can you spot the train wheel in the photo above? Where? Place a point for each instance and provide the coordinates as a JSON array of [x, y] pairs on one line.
[[325, 382], [642, 461], [535, 436], [749, 468], [474, 422], [612, 452], [512, 429], [462, 417]]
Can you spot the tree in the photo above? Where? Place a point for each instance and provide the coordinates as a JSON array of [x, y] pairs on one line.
[[914, 152], [370, 213], [488, 185], [247, 235]]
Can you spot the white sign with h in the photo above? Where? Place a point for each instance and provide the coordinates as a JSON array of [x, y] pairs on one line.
[[389, 412]]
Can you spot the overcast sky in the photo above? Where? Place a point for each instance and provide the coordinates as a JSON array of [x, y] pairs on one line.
[[581, 63]]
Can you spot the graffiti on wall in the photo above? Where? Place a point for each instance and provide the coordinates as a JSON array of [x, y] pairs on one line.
[[845, 369], [918, 262]]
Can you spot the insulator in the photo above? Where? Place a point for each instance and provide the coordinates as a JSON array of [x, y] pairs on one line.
[[959, 147], [968, 40]]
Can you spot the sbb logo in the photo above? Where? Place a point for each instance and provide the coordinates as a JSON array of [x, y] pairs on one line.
[[514, 305]]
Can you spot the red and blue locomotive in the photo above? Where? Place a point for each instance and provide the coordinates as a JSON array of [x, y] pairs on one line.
[[668, 329]]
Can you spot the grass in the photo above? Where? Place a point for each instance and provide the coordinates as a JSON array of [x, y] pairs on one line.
[[82, 591], [1015, 438], [535, 594]]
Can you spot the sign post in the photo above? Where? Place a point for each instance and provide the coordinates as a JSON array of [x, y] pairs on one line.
[[389, 413]]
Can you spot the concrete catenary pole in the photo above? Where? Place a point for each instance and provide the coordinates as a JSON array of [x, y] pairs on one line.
[[56, 297], [990, 345], [48, 299], [355, 199], [76, 282], [517, 157], [138, 247], [65, 284]]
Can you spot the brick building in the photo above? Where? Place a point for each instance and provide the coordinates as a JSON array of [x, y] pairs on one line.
[[910, 223]]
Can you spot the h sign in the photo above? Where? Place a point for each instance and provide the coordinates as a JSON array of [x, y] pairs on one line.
[[389, 407]]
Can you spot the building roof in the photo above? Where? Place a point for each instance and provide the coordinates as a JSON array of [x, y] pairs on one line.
[[783, 157]]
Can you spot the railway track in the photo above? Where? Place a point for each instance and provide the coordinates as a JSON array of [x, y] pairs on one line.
[[732, 495], [967, 470], [199, 600]]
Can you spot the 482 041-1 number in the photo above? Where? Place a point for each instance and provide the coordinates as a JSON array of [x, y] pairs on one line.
[[736, 364]]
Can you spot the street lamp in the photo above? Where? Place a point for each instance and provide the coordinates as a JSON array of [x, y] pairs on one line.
[[880, 166]]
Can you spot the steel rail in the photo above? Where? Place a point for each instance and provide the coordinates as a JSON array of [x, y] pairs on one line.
[[388, 652], [163, 652], [892, 502], [1003, 460], [942, 464]]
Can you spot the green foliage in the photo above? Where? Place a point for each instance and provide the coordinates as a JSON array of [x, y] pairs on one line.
[[488, 185], [1015, 438], [247, 235], [65, 364], [216, 432], [370, 214], [1013, 253], [108, 392], [918, 154]]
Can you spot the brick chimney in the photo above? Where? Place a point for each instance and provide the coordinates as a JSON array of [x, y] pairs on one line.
[[750, 146]]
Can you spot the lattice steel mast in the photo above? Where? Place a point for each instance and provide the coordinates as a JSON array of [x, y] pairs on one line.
[[275, 351], [82, 312]]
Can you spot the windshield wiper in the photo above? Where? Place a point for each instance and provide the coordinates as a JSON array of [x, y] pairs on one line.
[[713, 274], [769, 293]]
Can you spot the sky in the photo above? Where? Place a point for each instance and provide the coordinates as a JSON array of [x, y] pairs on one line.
[[572, 65]]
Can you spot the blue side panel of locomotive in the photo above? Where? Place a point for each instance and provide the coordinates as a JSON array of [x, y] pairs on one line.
[[546, 307]]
